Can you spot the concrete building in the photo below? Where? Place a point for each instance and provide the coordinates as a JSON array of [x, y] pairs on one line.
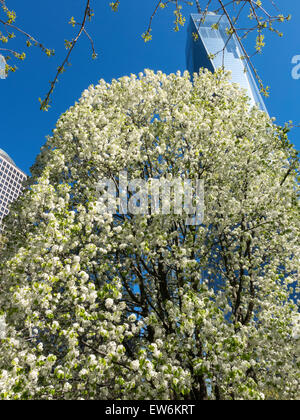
[[11, 180]]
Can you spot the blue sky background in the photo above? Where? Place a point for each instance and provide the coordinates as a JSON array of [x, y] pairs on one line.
[[121, 51]]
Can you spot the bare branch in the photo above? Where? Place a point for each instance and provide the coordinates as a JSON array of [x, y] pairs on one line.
[[45, 103]]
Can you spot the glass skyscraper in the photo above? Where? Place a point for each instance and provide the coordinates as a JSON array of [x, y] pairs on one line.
[[226, 52], [11, 180], [2, 67]]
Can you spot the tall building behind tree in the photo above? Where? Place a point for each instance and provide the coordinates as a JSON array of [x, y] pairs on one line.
[[209, 46], [2, 67], [11, 180]]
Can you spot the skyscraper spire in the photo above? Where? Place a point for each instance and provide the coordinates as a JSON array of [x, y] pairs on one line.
[[198, 7]]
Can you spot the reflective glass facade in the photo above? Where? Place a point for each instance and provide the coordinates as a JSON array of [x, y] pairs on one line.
[[227, 53], [11, 180], [2, 67]]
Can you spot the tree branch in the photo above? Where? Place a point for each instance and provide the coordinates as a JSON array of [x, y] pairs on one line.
[[45, 103]]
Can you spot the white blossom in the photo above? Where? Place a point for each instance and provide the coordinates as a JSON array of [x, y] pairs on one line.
[[2, 328], [147, 307], [109, 303]]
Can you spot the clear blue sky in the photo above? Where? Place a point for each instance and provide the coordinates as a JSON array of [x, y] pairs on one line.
[[117, 36]]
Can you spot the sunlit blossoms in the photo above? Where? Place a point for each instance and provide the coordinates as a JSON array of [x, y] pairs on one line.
[[146, 306]]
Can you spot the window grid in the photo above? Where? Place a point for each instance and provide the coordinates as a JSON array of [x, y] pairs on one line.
[[11, 180]]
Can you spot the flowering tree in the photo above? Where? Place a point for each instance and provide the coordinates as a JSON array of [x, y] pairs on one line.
[[147, 306]]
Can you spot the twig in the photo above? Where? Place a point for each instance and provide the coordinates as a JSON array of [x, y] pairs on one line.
[[45, 102]]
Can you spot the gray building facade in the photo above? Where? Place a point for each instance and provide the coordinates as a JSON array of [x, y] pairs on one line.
[[11, 183]]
